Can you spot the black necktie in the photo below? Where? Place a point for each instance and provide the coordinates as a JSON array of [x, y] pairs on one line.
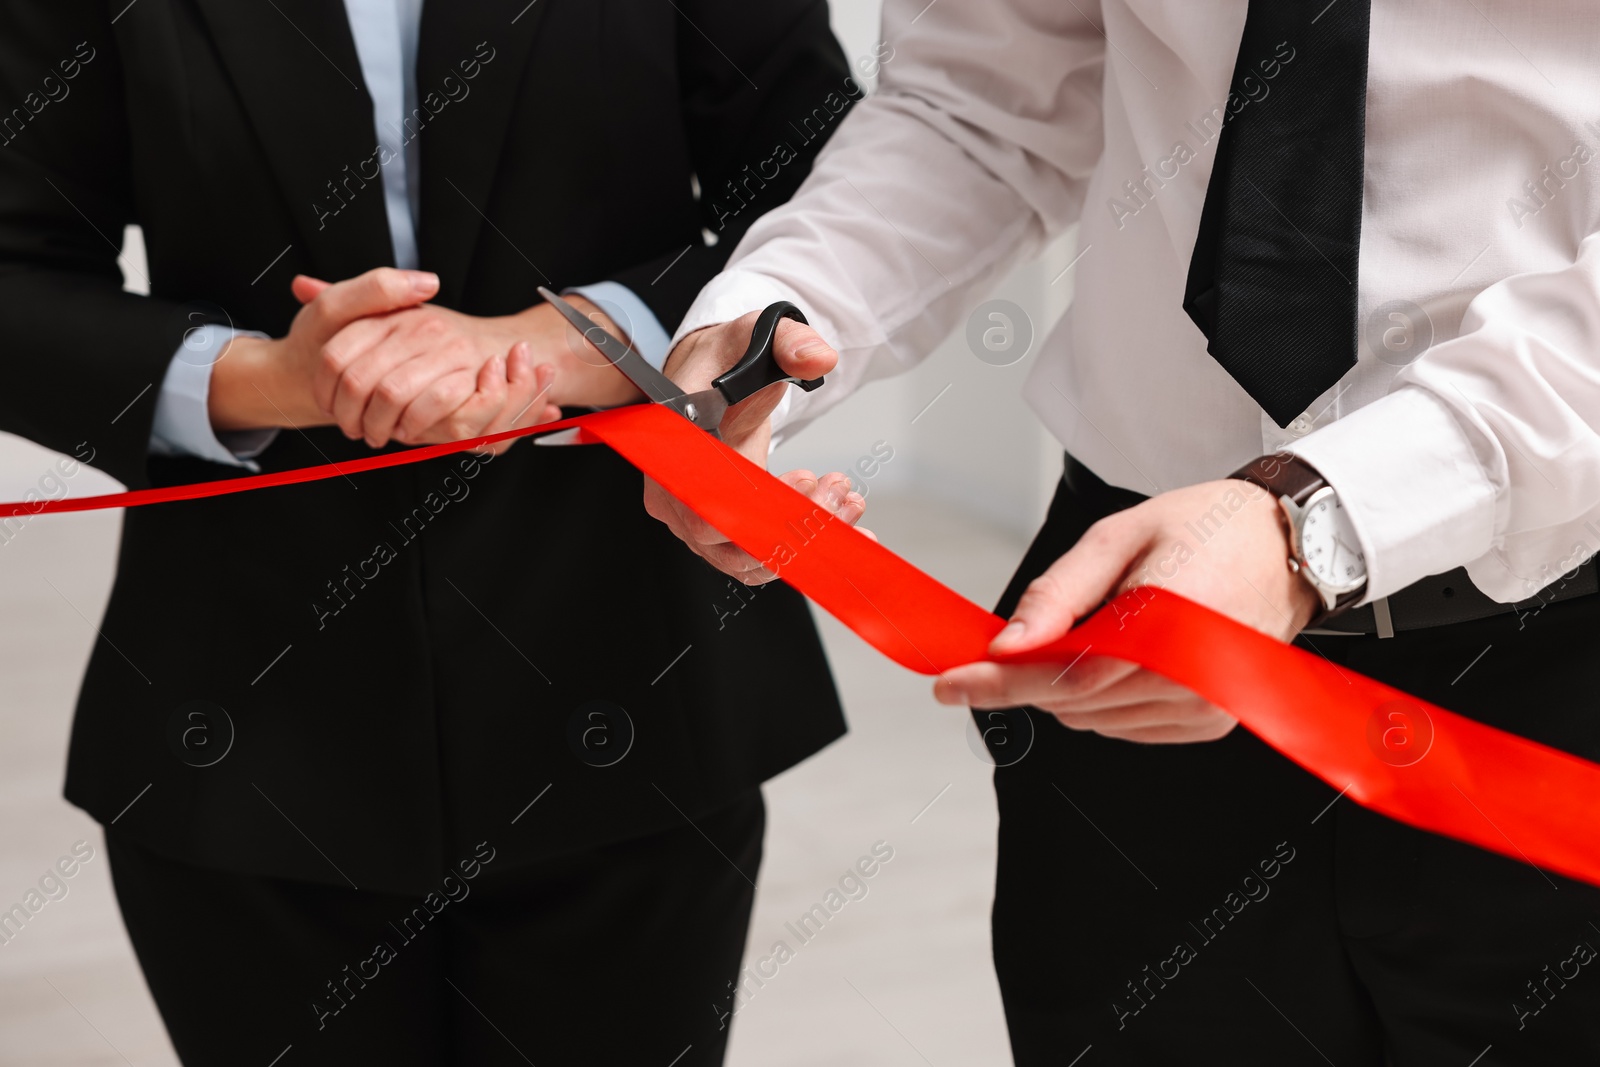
[[1272, 283]]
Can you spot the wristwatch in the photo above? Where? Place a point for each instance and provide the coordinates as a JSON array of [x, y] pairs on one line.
[[1322, 541]]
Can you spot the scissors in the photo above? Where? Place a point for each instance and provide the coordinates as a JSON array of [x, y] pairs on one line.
[[756, 369]]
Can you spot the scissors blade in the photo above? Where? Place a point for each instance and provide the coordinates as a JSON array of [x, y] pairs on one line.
[[655, 385], [573, 436]]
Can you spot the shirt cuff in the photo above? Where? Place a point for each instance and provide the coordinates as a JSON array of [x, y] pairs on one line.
[[182, 425], [1420, 508], [632, 316], [732, 294]]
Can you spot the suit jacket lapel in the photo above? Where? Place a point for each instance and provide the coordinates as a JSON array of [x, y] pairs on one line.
[[295, 67], [466, 119]]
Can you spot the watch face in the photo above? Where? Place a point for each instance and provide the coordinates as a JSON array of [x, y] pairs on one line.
[[1328, 545]]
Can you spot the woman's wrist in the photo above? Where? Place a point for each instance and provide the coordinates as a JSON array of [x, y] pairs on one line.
[[253, 387], [584, 377]]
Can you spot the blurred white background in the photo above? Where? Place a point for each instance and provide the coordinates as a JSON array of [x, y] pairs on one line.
[[901, 976]]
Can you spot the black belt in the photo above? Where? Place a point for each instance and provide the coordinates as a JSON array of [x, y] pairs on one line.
[[1437, 600], [1441, 599]]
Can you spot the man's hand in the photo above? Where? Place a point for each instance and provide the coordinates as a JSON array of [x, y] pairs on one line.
[[1240, 570], [260, 384], [693, 364]]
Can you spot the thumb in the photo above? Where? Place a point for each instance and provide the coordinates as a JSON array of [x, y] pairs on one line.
[[801, 351], [1071, 588], [307, 289], [377, 292]]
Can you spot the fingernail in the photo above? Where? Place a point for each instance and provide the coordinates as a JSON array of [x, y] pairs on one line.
[[806, 486], [810, 348], [1012, 634], [950, 693], [423, 281]]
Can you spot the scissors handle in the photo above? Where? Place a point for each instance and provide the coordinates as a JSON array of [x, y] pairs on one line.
[[758, 367]]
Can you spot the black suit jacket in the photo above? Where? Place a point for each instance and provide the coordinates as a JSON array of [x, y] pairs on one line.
[[393, 667]]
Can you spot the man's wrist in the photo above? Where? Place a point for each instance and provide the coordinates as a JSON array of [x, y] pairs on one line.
[[1292, 484], [1307, 607]]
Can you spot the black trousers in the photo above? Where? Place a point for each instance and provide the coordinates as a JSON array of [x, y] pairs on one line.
[[1213, 903], [621, 955]]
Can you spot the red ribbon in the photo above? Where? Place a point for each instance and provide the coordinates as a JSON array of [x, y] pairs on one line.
[[1410, 760]]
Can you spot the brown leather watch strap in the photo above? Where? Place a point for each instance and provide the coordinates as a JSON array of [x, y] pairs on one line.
[[1282, 474]]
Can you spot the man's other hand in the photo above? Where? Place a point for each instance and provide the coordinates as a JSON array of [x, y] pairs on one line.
[[1240, 570]]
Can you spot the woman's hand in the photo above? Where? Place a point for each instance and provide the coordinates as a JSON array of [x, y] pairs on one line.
[[370, 356], [260, 384], [396, 376]]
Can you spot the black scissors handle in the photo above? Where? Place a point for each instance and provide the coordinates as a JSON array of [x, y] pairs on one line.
[[758, 367]]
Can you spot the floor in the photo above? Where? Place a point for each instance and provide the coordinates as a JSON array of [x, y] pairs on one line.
[[899, 975]]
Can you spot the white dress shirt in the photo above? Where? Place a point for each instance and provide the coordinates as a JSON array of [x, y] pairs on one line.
[[385, 33], [998, 123]]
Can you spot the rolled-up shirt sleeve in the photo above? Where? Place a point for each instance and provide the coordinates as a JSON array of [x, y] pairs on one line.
[[1486, 452]]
